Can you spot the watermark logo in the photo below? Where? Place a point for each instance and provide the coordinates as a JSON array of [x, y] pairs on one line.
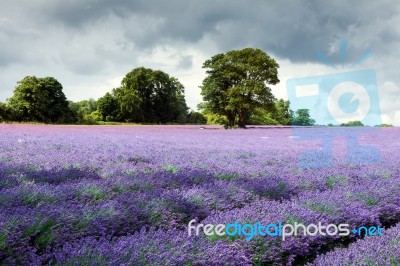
[[249, 231], [335, 99]]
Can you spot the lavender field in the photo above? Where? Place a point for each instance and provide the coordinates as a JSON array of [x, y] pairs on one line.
[[123, 195]]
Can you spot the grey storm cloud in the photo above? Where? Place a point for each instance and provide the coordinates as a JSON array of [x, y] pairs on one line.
[[96, 40], [289, 29]]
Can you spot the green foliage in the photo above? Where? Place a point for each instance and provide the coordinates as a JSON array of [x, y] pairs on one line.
[[142, 185], [279, 115], [3, 241], [89, 216], [322, 207], [108, 107], [384, 125], [83, 111], [41, 233], [215, 119], [336, 180], [293, 219], [196, 118], [282, 113], [302, 118], [212, 118], [260, 116], [92, 192], [5, 113], [150, 96], [39, 100], [236, 84], [92, 118], [226, 177], [369, 200], [37, 198], [352, 124], [171, 168]]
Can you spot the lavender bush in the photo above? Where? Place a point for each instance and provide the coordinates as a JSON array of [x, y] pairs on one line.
[[369, 251]]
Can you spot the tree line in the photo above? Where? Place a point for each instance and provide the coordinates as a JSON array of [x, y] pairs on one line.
[[145, 96], [236, 91]]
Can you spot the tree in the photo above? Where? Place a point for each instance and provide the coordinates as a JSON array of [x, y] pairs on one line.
[[39, 99], [384, 125], [196, 118], [279, 115], [151, 96], [302, 118], [5, 113], [83, 109], [92, 118], [108, 107], [352, 124], [237, 83], [282, 113]]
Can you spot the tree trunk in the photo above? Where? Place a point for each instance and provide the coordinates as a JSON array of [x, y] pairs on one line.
[[242, 119], [231, 119]]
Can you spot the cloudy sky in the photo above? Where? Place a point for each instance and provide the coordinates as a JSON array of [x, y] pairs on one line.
[[90, 45]]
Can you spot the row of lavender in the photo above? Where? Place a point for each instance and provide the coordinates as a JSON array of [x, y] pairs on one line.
[[125, 195]]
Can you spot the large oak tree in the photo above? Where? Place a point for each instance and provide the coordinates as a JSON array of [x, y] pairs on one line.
[[40, 100], [237, 82], [151, 96]]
